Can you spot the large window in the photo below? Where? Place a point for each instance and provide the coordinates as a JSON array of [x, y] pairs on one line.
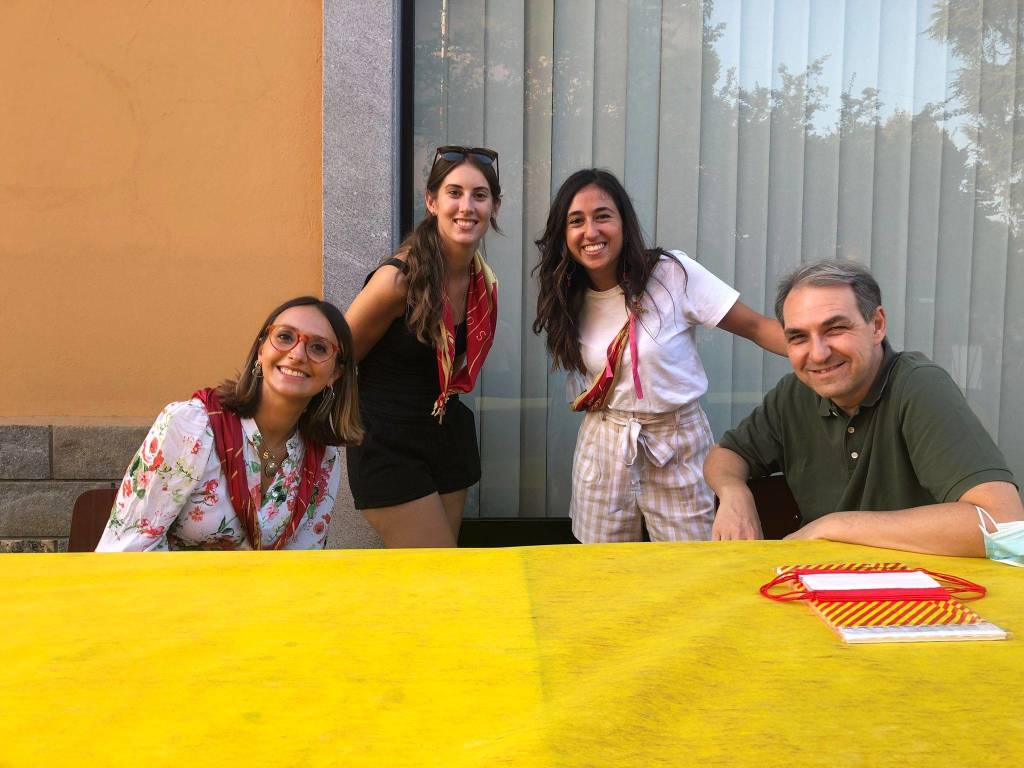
[[754, 135]]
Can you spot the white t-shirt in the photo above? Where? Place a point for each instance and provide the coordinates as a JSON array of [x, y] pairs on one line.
[[671, 372]]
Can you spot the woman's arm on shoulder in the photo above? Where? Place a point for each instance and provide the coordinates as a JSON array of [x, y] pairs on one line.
[[711, 295], [159, 480], [764, 331], [379, 304]]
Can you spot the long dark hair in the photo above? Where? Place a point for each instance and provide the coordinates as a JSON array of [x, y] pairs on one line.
[[330, 423], [422, 248], [563, 282]]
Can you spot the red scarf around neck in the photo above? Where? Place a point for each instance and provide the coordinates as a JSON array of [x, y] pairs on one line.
[[595, 397], [481, 323], [229, 441]]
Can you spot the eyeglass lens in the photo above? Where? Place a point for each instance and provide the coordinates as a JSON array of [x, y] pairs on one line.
[[284, 339]]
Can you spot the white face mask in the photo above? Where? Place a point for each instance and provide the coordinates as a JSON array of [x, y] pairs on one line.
[[1006, 543]]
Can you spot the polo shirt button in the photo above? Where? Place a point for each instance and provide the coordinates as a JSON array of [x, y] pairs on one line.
[[850, 430], [854, 455]]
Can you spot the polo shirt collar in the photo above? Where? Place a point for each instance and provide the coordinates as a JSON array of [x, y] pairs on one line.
[[826, 407]]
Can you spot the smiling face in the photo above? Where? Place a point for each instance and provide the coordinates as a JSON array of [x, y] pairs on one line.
[[463, 207], [293, 375], [593, 234], [832, 348]]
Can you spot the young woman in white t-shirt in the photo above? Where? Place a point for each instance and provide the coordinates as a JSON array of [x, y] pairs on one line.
[[606, 301]]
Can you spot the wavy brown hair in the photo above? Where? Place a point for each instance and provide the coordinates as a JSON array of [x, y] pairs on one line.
[[563, 282], [425, 259], [337, 422]]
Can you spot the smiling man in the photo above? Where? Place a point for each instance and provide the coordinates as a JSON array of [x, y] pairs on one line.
[[879, 447]]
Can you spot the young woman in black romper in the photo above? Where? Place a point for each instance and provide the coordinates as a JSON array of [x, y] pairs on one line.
[[421, 327]]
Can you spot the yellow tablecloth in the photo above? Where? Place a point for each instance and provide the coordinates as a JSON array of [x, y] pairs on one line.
[[620, 655]]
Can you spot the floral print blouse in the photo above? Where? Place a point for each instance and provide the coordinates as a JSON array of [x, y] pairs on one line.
[[174, 494]]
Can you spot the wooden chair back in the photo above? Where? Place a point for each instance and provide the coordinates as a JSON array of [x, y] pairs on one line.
[[89, 518], [776, 506]]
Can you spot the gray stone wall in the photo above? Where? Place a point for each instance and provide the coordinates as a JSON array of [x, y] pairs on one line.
[[361, 171], [43, 469]]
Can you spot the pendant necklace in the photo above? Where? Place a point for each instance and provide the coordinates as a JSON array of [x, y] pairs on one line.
[[268, 460]]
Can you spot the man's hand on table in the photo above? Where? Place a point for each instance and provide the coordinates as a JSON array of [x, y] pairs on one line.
[[736, 518]]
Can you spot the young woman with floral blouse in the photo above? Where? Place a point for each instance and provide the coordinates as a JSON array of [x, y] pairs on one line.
[[422, 327], [252, 464]]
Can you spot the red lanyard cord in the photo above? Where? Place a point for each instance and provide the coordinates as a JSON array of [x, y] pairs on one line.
[[951, 586]]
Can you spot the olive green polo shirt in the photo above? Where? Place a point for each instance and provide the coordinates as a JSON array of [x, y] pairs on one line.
[[913, 441]]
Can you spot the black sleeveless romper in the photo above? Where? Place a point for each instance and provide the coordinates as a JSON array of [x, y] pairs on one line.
[[406, 454]]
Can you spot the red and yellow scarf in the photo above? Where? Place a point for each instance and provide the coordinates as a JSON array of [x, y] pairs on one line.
[[228, 441], [481, 323], [594, 398]]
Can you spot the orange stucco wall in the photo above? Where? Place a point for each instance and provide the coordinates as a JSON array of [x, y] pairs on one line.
[[160, 191]]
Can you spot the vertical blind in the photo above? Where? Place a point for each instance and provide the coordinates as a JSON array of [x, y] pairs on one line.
[[754, 135]]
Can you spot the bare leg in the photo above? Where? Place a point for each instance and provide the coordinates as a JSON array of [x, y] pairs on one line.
[[454, 504], [423, 522]]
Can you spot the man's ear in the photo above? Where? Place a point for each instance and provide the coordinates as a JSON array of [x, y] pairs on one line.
[[878, 324]]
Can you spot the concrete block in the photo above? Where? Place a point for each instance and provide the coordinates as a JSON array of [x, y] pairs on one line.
[[33, 545], [94, 452], [39, 509], [24, 453]]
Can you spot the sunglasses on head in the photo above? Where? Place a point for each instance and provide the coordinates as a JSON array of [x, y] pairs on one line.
[[453, 154]]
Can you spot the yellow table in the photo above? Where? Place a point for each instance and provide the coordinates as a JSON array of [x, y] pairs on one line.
[[621, 655]]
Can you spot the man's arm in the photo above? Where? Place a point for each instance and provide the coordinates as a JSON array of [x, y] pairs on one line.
[[937, 529], [947, 446], [736, 518]]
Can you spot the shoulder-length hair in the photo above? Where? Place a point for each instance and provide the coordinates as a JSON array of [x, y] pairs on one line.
[[337, 422], [424, 275], [563, 282]]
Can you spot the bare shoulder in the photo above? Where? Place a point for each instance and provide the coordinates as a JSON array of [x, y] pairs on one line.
[[383, 297], [390, 278]]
